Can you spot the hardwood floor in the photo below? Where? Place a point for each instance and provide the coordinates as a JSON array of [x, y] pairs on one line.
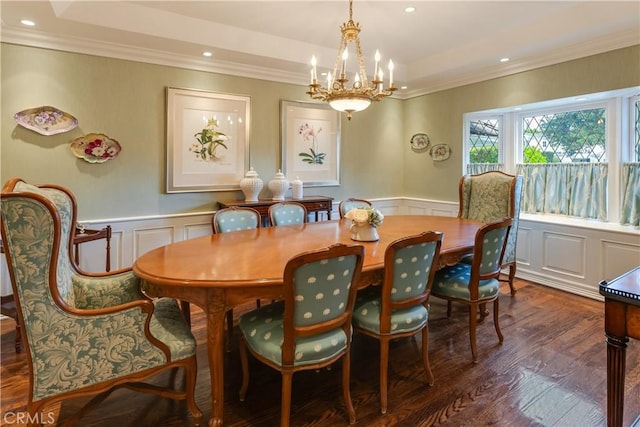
[[550, 371]]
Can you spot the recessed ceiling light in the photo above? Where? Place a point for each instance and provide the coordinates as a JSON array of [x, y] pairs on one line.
[[28, 23], [207, 54], [504, 59], [403, 87], [410, 9]]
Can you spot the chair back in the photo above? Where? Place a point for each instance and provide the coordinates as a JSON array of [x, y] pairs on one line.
[[489, 248], [319, 294], [287, 213], [347, 204], [38, 223], [37, 231], [489, 197], [235, 218], [410, 265]]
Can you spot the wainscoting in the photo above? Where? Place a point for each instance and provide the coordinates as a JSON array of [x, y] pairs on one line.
[[570, 255]]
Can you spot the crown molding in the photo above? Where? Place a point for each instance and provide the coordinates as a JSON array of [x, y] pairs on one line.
[[125, 52]]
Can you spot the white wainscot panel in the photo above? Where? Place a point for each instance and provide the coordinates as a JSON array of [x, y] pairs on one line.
[[524, 245], [618, 258], [197, 230], [145, 240], [564, 254]]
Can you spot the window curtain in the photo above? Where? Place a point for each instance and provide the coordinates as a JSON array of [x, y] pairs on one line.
[[630, 212], [574, 189], [477, 168]]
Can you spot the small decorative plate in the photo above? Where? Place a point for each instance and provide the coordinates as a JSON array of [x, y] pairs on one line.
[[419, 142], [440, 152], [46, 120], [95, 148]]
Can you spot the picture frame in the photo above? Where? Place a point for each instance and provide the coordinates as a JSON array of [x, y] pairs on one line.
[[207, 140], [310, 143]]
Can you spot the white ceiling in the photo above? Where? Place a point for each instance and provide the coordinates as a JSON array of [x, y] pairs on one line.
[[442, 44]]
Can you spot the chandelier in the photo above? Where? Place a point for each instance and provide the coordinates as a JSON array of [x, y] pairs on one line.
[[357, 96]]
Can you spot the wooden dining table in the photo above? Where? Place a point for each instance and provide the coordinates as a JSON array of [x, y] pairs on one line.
[[220, 271]]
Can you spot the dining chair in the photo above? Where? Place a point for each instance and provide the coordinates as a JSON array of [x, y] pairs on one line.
[[477, 283], [398, 308], [234, 218], [287, 213], [347, 204], [491, 196], [311, 327], [84, 333]]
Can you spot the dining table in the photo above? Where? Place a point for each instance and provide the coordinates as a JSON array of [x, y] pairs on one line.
[[220, 271]]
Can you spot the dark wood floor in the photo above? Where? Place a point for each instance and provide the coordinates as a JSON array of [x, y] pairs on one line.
[[550, 371]]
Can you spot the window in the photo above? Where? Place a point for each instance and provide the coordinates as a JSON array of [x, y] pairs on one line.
[[579, 157], [576, 136], [484, 145]]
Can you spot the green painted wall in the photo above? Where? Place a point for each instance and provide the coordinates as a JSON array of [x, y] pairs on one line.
[[126, 100]]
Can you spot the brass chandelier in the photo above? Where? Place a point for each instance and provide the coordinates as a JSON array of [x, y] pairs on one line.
[[361, 93]]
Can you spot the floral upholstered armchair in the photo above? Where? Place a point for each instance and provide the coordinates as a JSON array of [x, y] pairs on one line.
[[491, 196], [85, 333]]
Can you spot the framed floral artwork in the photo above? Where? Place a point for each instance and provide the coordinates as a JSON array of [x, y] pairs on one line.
[[207, 140], [310, 143]]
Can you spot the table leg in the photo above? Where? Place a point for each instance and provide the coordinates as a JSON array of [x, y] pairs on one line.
[[215, 350], [616, 349]]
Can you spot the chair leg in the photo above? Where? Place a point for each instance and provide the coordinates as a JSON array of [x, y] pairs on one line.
[[229, 329], [473, 313], [496, 309], [186, 311], [285, 410], [425, 354], [244, 361], [512, 276], [448, 308], [191, 374], [384, 369], [346, 387]]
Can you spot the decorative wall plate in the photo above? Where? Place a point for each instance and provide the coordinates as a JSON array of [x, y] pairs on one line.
[[440, 152], [419, 142], [46, 120], [95, 148]]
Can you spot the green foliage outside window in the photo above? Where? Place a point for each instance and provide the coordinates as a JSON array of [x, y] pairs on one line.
[[483, 155], [533, 155]]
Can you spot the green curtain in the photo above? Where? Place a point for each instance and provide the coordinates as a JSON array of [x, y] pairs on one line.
[[630, 212], [477, 168], [573, 189]]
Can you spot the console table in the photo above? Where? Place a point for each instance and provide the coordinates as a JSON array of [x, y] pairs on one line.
[[90, 235], [314, 204], [621, 321]]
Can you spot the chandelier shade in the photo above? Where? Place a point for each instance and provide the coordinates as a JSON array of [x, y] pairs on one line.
[[339, 92]]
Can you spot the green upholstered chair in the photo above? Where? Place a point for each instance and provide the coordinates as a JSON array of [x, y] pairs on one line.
[[235, 218], [491, 196], [398, 308], [311, 327], [347, 204], [477, 283], [287, 213], [85, 333]]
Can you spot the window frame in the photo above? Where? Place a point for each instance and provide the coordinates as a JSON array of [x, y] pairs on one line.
[[619, 143]]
